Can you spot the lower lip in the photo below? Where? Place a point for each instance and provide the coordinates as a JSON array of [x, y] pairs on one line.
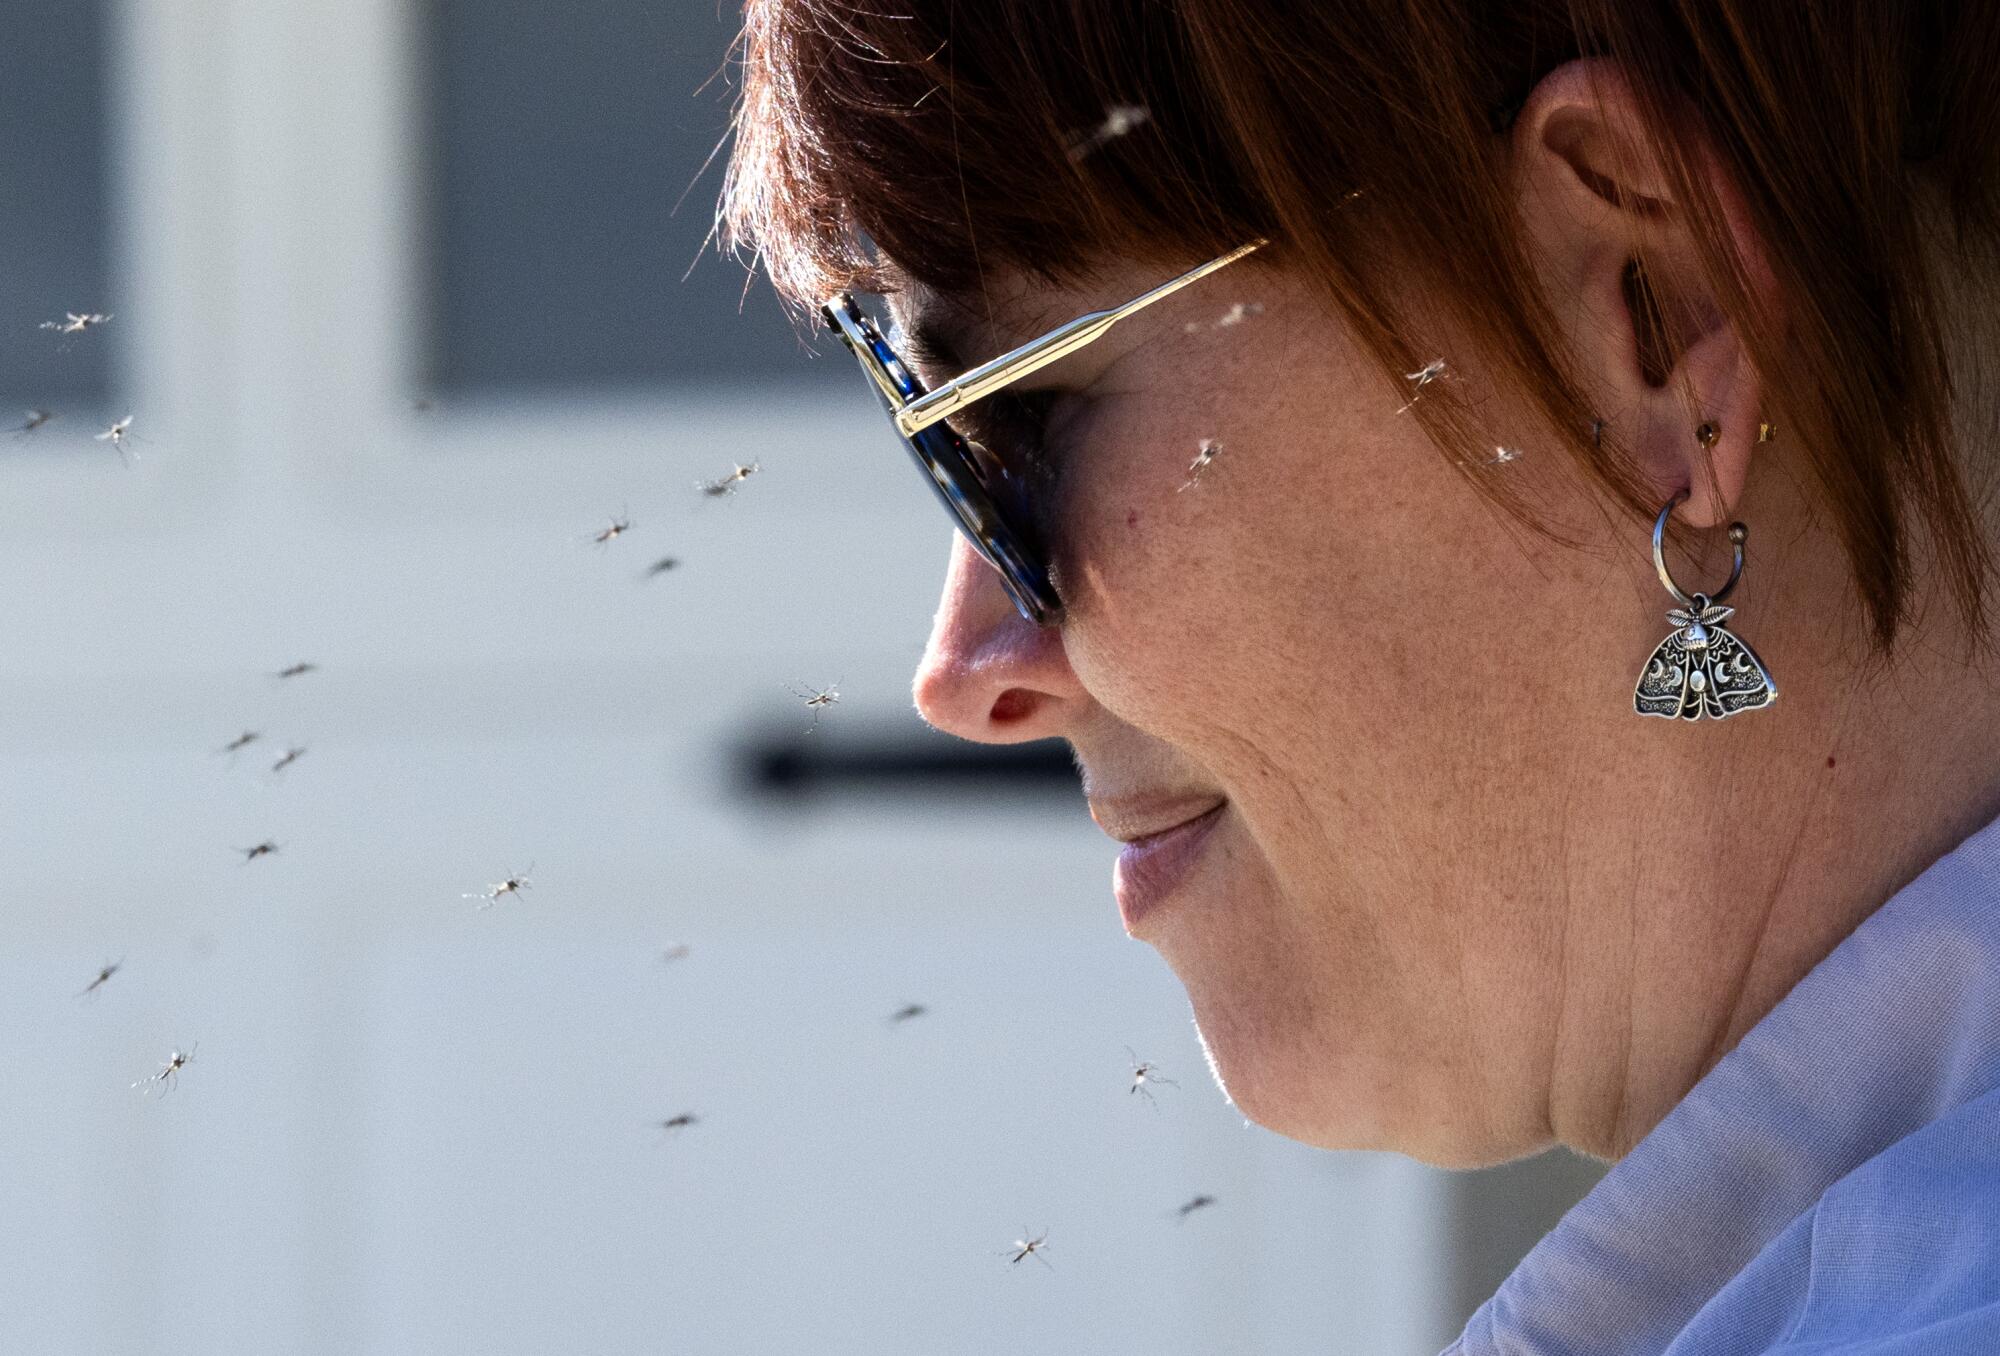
[[1150, 869]]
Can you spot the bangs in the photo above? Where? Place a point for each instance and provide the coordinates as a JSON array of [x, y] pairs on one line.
[[1034, 136]]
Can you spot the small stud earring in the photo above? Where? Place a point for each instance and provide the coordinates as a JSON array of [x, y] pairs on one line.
[[1708, 433], [1767, 433]]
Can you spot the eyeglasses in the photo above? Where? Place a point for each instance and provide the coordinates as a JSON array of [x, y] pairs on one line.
[[988, 500]]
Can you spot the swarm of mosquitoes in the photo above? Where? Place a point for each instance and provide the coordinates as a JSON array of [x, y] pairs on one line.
[[1143, 1075], [68, 331]]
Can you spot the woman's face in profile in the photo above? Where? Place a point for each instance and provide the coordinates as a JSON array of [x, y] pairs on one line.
[[1407, 709]]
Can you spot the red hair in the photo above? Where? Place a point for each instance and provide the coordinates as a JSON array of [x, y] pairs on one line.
[[1357, 136]]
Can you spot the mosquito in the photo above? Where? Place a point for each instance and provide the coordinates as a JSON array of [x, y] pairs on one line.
[[818, 701], [906, 1012], [1198, 1203], [513, 885], [35, 419], [169, 1072], [1423, 376], [292, 755], [1144, 1072], [673, 1125], [617, 528], [295, 670], [715, 489], [1119, 120], [1209, 448], [244, 740], [660, 567], [1235, 315], [72, 323], [1031, 1247], [678, 951], [117, 434], [263, 849], [104, 975]]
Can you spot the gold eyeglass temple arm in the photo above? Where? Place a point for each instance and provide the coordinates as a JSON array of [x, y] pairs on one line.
[[1036, 354]]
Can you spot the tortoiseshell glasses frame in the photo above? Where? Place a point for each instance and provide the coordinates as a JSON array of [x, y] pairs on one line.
[[986, 499]]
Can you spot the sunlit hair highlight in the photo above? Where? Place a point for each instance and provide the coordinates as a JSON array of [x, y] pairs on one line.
[[1362, 139]]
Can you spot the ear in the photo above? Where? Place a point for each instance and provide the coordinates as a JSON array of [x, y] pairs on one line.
[[1617, 254]]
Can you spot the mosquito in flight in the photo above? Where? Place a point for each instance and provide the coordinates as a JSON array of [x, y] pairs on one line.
[[1031, 1247], [72, 323], [906, 1012], [292, 755], [295, 670], [1501, 456], [660, 567], [244, 740], [1144, 1072], [117, 434], [673, 1125], [715, 489], [1209, 448], [263, 849], [104, 975], [1423, 376], [1119, 120], [513, 885], [1237, 313], [616, 528], [817, 701], [678, 951], [35, 419], [169, 1072], [1198, 1203]]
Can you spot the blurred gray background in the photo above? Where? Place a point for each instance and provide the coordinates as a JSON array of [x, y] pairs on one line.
[[399, 314]]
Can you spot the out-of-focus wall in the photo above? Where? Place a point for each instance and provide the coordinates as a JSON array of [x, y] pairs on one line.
[[339, 240]]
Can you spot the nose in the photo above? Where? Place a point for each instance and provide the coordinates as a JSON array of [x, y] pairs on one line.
[[989, 674]]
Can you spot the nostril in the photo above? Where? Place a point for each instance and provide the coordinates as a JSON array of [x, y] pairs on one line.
[[1013, 705]]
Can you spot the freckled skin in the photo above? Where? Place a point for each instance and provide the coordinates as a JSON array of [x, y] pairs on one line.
[[1463, 903]]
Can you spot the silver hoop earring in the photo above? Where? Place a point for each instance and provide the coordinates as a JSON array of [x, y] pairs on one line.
[[1701, 669]]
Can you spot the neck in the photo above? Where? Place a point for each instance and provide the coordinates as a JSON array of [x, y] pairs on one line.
[[1803, 819]]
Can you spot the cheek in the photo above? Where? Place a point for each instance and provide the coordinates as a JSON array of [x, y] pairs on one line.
[[1191, 589]]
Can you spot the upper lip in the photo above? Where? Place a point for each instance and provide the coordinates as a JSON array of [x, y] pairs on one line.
[[1130, 818]]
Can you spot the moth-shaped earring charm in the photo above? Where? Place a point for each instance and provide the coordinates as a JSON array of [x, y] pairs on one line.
[[1701, 669]]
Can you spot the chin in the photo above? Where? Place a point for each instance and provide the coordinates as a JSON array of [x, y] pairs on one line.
[[1283, 1072]]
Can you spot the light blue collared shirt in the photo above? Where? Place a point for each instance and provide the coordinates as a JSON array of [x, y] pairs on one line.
[[1831, 1186]]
